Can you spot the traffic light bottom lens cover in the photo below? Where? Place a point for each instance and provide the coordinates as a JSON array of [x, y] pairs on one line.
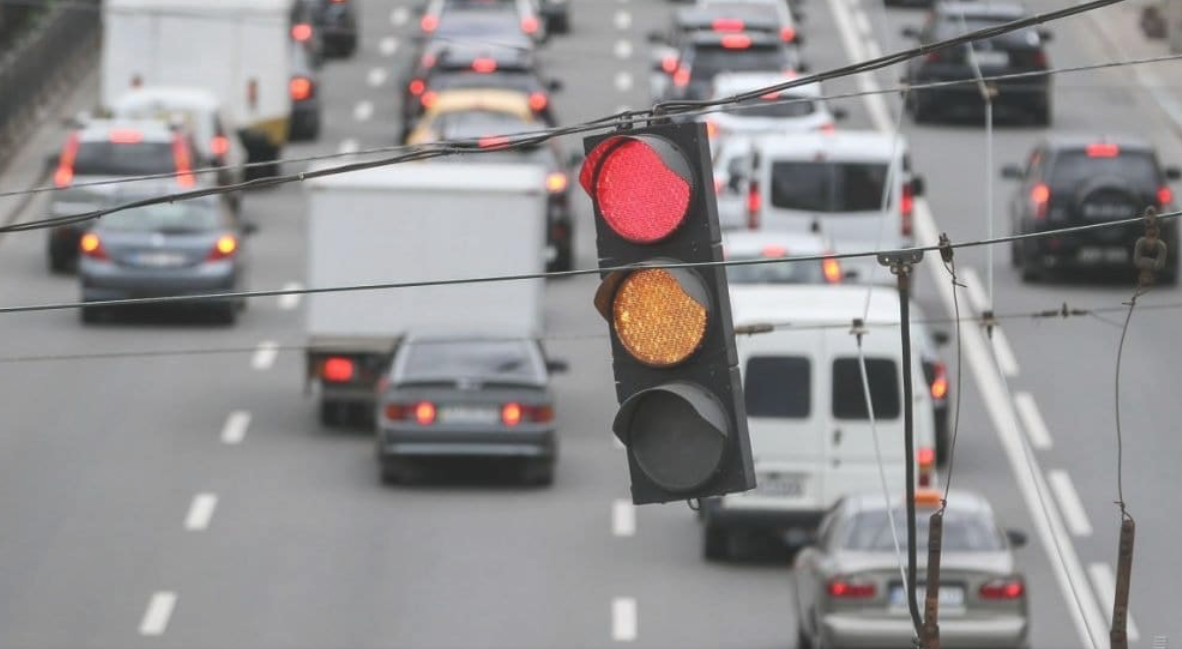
[[677, 435], [656, 317]]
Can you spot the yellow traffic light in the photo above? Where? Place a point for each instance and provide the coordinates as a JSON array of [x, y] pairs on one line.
[[656, 320]]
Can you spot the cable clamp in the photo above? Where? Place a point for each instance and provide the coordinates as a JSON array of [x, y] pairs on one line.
[[858, 329], [1149, 254]]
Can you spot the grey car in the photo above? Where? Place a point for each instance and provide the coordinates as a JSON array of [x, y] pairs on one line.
[[188, 247], [850, 594], [458, 395]]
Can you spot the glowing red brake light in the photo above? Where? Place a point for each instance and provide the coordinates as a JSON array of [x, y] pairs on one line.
[[538, 101], [1164, 196], [64, 175], [939, 387], [530, 25], [492, 141], [484, 65], [907, 209], [428, 99], [301, 32], [425, 413], [416, 87], [787, 34], [681, 77], [219, 145], [925, 457], [91, 246], [736, 41], [301, 88], [850, 589], [338, 369], [727, 25], [669, 63], [1040, 196], [511, 414], [125, 136], [641, 186], [754, 203], [1003, 589], [831, 268], [1102, 150], [429, 23], [184, 162], [224, 248]]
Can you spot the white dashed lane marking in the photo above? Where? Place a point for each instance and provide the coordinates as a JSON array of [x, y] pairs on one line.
[[376, 77], [363, 111], [388, 46], [234, 430], [290, 301], [399, 16], [159, 611], [624, 619], [623, 19], [264, 356], [1104, 580], [623, 518], [200, 512], [623, 82], [623, 49], [1032, 421], [1074, 514]]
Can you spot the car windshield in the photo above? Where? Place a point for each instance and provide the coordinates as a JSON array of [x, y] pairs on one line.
[[828, 186], [870, 531], [795, 273], [181, 216], [119, 159], [710, 60], [500, 360], [1073, 168], [780, 107]]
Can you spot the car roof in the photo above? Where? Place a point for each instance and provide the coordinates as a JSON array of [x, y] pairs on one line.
[[703, 17], [999, 10], [1081, 140], [173, 95], [498, 100], [856, 145], [731, 83], [758, 39], [960, 500], [100, 129], [753, 242], [463, 334], [814, 303]]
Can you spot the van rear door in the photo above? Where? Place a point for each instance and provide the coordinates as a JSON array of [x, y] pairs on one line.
[[843, 197]]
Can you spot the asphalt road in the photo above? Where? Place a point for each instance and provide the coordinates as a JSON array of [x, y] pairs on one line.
[[194, 501]]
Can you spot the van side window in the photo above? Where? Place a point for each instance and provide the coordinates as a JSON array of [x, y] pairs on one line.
[[778, 386], [849, 400]]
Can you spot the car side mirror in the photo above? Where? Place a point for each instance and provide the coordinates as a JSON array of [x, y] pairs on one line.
[[1011, 172], [839, 113], [918, 186], [1017, 538], [941, 337], [1173, 173], [554, 85], [655, 36], [909, 32], [556, 366]]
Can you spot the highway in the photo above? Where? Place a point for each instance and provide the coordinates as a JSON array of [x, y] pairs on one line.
[[195, 501]]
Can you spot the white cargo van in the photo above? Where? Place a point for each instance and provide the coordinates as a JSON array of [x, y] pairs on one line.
[[834, 183], [810, 431], [239, 50]]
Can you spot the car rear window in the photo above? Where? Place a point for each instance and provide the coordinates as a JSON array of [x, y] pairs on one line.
[[1021, 39], [776, 108], [1073, 168], [516, 80], [182, 216], [709, 60], [849, 398], [493, 360], [778, 386], [828, 186], [116, 159], [787, 273], [870, 531]]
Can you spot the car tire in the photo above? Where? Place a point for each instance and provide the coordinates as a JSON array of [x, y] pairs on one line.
[[563, 260], [59, 264], [558, 25], [1042, 115], [396, 472], [540, 473], [226, 314], [716, 543], [803, 641]]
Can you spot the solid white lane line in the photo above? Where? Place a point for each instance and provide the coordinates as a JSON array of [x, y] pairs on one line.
[[363, 111], [623, 82], [200, 512], [399, 16], [388, 46], [623, 518], [624, 619], [159, 611], [348, 145], [623, 49], [290, 300], [234, 430], [264, 356], [623, 19], [862, 22], [1069, 572], [1032, 421], [376, 77], [1104, 580], [1001, 344], [1072, 507]]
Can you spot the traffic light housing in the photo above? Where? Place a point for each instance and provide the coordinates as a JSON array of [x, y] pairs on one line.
[[682, 417]]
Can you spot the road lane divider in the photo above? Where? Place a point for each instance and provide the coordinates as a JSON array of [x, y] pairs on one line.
[[1032, 421], [264, 357], [200, 512], [624, 619], [234, 430], [623, 518], [1072, 507], [158, 613]]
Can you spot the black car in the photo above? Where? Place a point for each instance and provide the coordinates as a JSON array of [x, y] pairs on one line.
[[1082, 180], [556, 13], [1015, 52], [706, 54], [304, 88], [336, 23]]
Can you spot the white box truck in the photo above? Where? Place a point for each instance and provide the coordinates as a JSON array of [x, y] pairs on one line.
[[407, 223], [240, 50]]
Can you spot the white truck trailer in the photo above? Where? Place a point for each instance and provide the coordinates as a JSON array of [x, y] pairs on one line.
[[407, 223], [240, 50]]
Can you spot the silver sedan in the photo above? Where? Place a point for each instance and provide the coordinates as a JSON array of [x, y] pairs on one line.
[[850, 591]]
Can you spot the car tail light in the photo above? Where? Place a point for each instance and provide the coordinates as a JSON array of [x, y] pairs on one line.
[[925, 457], [484, 65], [727, 25], [91, 246], [338, 369], [301, 32], [681, 77], [224, 248], [1164, 196], [831, 267], [1010, 588], [754, 202], [416, 87], [184, 162], [847, 588], [718, 185], [907, 209], [774, 252], [219, 145], [538, 101], [1102, 150], [125, 136], [64, 175], [395, 411], [514, 413], [301, 88], [711, 129], [1040, 197], [736, 41], [787, 34], [556, 182], [429, 23], [827, 128], [530, 25], [511, 414], [669, 63], [425, 413], [939, 383], [428, 98]]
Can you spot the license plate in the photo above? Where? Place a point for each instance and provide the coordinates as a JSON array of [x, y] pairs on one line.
[[951, 597], [1105, 254], [989, 58], [780, 485], [159, 259], [469, 415]]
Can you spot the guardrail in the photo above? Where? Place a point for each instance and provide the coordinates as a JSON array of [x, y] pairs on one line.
[[47, 60]]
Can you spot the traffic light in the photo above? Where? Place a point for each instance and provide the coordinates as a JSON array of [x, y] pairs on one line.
[[682, 417]]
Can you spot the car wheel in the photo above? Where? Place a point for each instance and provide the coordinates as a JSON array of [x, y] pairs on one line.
[[539, 473], [1042, 115], [716, 543], [396, 471], [803, 641]]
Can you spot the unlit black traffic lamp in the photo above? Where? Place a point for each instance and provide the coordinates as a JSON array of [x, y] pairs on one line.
[[681, 414]]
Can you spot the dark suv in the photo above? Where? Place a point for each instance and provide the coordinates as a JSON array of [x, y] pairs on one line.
[[1082, 180], [706, 54], [1015, 52]]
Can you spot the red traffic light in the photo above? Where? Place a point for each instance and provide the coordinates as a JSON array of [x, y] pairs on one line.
[[642, 186]]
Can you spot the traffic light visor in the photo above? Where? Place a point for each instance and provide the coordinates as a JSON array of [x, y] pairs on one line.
[[641, 186]]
